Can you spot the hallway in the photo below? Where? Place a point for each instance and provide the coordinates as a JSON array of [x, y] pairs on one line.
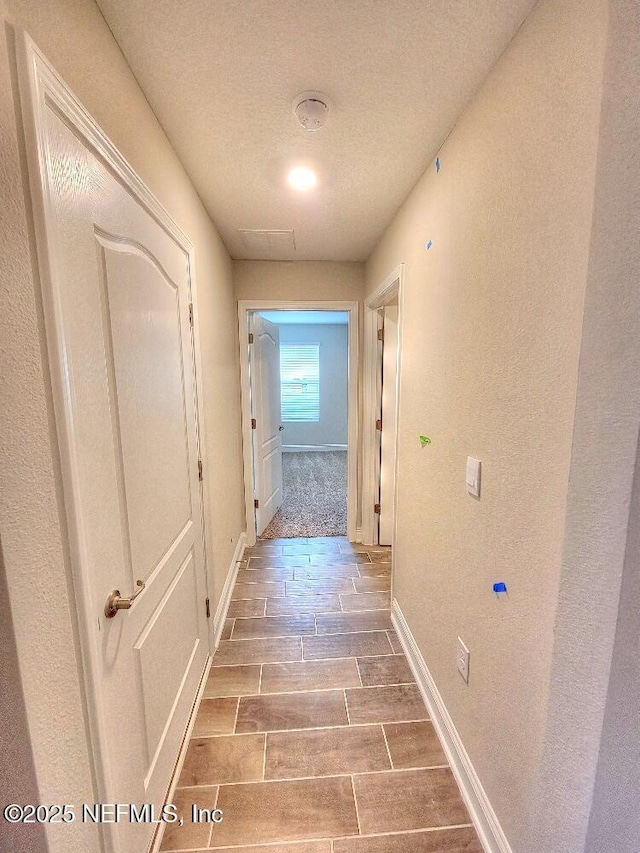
[[463, 183], [312, 736]]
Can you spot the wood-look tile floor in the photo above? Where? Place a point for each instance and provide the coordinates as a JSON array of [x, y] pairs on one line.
[[312, 736]]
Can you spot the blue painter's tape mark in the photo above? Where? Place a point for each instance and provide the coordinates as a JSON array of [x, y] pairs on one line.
[[437, 164], [428, 245]]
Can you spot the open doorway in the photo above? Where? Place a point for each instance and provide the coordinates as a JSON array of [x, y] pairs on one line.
[[300, 418], [310, 399]]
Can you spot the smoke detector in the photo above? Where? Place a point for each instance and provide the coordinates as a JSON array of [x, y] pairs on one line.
[[311, 109]]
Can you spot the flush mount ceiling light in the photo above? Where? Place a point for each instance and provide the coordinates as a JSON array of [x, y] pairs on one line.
[[302, 178], [311, 109]]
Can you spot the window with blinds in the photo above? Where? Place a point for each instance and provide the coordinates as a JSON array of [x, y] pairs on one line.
[[300, 382]]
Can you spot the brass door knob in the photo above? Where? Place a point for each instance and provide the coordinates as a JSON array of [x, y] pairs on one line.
[[115, 602]]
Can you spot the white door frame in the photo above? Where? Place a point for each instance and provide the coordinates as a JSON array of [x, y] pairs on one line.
[[41, 88], [390, 289], [245, 306]]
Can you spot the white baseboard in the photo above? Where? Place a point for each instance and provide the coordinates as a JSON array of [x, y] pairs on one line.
[[225, 599], [305, 448], [482, 814], [358, 534]]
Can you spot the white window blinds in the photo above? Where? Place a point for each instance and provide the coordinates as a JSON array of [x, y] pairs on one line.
[[300, 382]]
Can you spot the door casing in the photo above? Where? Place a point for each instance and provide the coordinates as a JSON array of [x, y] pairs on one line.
[[247, 306], [387, 292], [389, 419]]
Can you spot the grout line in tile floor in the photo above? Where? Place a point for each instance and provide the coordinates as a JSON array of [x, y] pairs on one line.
[[316, 660], [346, 705], [255, 662], [293, 596], [325, 839], [235, 722], [386, 743], [328, 840], [325, 776], [292, 636], [317, 612], [402, 832], [312, 660], [321, 729], [215, 806], [312, 690], [355, 803], [345, 775], [304, 660]]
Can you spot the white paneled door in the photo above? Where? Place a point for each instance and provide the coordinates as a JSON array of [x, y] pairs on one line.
[[266, 411], [117, 296]]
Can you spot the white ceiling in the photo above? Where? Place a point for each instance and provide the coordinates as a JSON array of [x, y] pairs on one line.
[[221, 76]]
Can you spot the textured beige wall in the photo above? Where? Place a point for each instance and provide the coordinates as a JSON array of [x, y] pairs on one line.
[[491, 342], [299, 280], [594, 707], [614, 822], [18, 783], [75, 38]]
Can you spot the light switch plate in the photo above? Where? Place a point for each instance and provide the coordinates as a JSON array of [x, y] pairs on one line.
[[473, 476]]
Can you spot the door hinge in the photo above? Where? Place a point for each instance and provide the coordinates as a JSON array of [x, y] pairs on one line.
[[208, 609], [253, 423], [380, 334], [250, 337], [376, 509], [200, 475], [256, 503], [379, 423], [191, 314]]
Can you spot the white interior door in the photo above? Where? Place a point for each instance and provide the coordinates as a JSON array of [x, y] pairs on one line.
[[389, 420], [266, 411], [121, 346]]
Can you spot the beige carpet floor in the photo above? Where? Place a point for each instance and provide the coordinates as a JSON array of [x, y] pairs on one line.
[[314, 488]]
